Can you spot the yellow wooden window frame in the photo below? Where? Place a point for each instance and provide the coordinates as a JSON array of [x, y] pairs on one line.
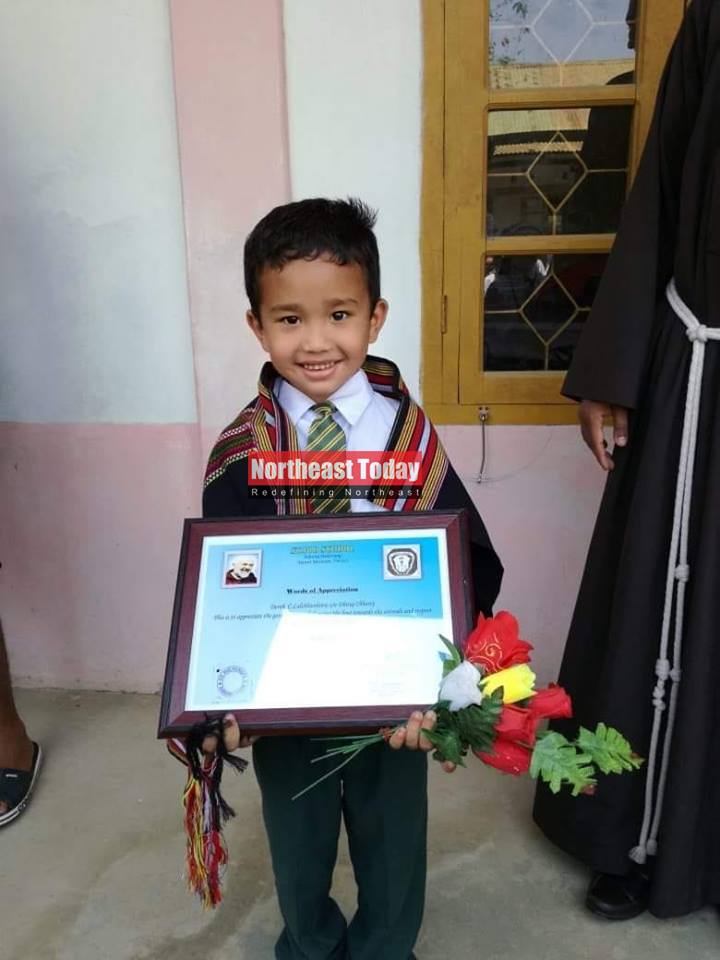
[[457, 99]]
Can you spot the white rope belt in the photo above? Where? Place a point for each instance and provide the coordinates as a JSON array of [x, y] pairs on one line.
[[678, 574]]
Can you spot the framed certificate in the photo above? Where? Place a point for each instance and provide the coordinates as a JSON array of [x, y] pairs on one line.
[[299, 624]]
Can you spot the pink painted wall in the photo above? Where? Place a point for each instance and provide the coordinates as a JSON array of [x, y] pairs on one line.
[[89, 541], [539, 505], [91, 508], [99, 451], [231, 115]]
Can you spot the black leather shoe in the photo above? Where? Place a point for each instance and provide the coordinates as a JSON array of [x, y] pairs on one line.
[[618, 898]]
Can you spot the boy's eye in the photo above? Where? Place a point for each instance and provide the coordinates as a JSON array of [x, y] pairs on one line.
[[339, 314], [290, 321]]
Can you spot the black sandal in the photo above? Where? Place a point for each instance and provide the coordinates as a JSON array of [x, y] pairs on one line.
[[619, 897], [16, 787]]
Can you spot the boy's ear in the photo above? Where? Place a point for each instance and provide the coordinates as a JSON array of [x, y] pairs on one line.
[[257, 328], [377, 319]]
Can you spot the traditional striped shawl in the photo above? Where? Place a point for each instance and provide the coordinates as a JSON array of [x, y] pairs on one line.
[[264, 425]]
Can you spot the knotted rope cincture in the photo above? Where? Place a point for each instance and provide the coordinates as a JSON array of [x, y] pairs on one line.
[[678, 575]]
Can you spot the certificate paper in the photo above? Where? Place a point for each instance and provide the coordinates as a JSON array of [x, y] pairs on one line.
[[294, 622]]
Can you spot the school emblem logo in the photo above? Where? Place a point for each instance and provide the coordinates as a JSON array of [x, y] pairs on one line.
[[402, 562], [233, 682]]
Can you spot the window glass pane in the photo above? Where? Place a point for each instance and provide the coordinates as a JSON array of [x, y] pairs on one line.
[[559, 171], [535, 307], [561, 43]]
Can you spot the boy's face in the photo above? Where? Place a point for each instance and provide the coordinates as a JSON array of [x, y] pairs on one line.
[[316, 322]]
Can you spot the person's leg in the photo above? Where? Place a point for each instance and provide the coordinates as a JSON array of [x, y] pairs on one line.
[[385, 808], [16, 749], [303, 837]]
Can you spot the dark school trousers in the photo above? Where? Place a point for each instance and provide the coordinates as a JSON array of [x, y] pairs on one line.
[[382, 796]]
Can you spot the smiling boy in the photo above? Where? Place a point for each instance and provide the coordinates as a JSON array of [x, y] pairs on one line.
[[313, 281], [318, 323]]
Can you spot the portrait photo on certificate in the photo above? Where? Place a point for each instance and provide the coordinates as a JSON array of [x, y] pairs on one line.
[[325, 623]]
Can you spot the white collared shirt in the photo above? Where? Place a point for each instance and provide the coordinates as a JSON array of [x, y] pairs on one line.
[[367, 417]]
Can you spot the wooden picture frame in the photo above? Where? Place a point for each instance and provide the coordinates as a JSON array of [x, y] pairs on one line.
[[440, 577]]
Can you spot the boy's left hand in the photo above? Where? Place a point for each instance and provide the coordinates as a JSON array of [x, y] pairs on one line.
[[413, 737], [232, 736]]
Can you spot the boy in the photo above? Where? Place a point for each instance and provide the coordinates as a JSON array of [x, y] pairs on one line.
[[313, 280]]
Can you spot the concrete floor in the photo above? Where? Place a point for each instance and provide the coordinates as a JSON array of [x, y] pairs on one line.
[[92, 870]]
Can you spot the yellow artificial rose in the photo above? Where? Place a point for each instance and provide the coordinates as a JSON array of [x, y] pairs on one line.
[[517, 683]]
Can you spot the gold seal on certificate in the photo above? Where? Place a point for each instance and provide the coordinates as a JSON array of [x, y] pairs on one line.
[[315, 623]]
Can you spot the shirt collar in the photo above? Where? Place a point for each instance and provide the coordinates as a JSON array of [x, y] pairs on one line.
[[351, 399]]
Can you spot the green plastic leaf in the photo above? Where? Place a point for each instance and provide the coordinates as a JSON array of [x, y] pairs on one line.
[[476, 723], [556, 761], [454, 659], [448, 745], [608, 749]]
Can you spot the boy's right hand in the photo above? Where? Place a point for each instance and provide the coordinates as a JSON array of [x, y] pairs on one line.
[[591, 415], [411, 735], [231, 735]]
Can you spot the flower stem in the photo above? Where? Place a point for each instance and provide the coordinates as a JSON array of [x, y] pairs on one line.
[[355, 744], [330, 772]]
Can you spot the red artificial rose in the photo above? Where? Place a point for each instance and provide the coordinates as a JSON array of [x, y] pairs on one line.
[[508, 757], [553, 702], [495, 643], [517, 723]]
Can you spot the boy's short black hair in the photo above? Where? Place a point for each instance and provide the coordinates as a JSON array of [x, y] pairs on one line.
[[307, 229]]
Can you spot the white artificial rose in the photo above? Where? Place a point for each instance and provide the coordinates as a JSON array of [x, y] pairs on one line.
[[460, 686]]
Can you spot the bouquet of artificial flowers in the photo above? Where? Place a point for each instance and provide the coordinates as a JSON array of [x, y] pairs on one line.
[[488, 705]]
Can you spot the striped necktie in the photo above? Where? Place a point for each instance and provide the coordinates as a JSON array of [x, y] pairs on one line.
[[326, 435]]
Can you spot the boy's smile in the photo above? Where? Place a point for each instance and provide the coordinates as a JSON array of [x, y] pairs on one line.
[[316, 322]]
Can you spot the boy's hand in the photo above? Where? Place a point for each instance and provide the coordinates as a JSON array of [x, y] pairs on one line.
[[231, 735], [413, 737], [591, 416]]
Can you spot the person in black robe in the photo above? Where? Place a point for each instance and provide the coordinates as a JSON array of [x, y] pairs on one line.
[[633, 362]]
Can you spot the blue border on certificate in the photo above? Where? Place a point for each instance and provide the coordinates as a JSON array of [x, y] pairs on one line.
[[395, 583]]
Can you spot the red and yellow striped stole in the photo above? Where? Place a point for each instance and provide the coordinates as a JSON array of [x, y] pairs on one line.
[[264, 425]]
